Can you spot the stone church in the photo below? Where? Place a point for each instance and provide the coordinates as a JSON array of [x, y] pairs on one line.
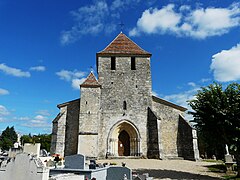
[[117, 114]]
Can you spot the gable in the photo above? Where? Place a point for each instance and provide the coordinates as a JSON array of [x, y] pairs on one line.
[[167, 103]]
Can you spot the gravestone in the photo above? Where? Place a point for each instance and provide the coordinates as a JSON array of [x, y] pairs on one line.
[[228, 161], [118, 173], [32, 148], [76, 161]]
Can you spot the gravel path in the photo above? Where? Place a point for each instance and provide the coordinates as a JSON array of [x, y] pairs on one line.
[[168, 169]]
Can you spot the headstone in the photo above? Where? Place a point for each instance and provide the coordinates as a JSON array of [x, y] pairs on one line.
[[32, 148], [229, 163], [76, 161], [116, 172], [228, 158]]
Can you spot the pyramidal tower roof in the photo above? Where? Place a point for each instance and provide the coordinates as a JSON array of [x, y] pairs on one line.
[[122, 45], [90, 81]]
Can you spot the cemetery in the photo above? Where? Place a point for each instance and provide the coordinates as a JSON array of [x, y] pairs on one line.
[[32, 163], [29, 163]]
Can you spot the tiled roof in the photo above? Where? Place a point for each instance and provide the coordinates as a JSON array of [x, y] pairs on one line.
[[90, 81], [122, 45]]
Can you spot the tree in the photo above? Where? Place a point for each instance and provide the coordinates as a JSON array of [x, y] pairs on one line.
[[43, 139], [209, 102], [217, 116], [8, 138]]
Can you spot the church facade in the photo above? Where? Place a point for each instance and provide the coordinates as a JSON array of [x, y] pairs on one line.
[[117, 114]]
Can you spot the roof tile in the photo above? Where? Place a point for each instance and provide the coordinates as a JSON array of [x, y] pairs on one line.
[[122, 45], [90, 81]]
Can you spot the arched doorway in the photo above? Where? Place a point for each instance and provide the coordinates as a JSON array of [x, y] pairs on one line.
[[123, 144], [124, 140]]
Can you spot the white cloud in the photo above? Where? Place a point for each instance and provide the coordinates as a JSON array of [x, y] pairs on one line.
[[75, 77], [203, 80], [197, 23], [25, 118], [37, 124], [88, 20], [158, 20], [13, 71], [40, 117], [69, 75], [76, 83], [182, 98], [192, 84], [120, 4], [43, 112], [3, 111], [3, 91], [38, 121], [38, 68], [154, 93], [101, 16], [226, 64]]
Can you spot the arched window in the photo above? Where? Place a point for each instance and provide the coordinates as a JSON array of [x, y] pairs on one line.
[[124, 105]]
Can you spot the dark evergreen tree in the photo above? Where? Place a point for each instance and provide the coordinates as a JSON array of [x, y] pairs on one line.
[[8, 138]]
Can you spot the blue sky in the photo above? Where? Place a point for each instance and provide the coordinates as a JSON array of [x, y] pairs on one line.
[[48, 47]]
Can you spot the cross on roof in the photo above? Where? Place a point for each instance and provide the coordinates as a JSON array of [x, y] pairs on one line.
[[121, 25]]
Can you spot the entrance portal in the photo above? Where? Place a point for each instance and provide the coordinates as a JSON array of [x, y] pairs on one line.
[[123, 144], [124, 140]]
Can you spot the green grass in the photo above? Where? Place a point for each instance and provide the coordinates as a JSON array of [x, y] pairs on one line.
[[212, 160], [221, 168], [218, 168], [231, 177]]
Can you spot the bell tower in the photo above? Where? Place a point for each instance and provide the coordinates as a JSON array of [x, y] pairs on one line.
[[126, 87]]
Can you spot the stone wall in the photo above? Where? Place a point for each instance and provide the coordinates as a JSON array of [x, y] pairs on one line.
[[153, 141], [123, 84], [187, 140], [89, 121], [71, 128], [169, 117], [58, 132], [65, 129]]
